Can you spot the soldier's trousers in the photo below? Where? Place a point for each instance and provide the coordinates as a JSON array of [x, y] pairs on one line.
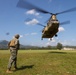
[[13, 58]]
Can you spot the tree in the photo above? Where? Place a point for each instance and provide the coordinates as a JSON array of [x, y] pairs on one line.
[[59, 46], [49, 47]]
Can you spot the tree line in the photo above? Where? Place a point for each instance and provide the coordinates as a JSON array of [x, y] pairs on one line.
[[3, 46]]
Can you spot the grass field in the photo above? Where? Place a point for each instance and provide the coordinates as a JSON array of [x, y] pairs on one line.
[[41, 62]]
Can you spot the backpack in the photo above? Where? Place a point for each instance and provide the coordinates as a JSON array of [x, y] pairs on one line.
[[11, 43]]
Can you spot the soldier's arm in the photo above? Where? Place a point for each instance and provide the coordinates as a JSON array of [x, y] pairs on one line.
[[17, 44]]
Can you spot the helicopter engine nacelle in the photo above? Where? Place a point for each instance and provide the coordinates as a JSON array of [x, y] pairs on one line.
[[46, 28]]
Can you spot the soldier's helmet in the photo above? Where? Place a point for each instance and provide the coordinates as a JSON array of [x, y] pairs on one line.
[[17, 36]]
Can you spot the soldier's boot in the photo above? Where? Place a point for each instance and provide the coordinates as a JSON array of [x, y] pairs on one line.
[[9, 71]]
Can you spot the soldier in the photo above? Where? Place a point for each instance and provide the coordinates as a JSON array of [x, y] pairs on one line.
[[14, 47]]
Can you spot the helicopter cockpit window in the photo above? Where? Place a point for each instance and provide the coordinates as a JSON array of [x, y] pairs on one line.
[[53, 17]]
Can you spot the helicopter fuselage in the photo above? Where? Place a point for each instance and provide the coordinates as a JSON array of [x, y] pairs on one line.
[[51, 29]]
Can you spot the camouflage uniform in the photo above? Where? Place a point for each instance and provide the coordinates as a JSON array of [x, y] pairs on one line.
[[14, 51]]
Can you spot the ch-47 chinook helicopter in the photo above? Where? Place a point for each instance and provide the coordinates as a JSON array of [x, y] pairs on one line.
[[52, 26]]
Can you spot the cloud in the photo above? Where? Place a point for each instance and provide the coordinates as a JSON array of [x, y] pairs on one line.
[[21, 36], [48, 43], [50, 0], [52, 40], [61, 29], [27, 34], [33, 33], [32, 22], [32, 12], [69, 42], [65, 42]]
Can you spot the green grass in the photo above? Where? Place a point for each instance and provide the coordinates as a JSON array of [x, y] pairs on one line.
[[41, 62]]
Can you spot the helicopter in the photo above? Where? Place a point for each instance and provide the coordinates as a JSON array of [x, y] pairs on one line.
[[51, 29]]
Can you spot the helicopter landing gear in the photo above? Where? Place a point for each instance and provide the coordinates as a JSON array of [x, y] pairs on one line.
[[56, 35], [50, 39]]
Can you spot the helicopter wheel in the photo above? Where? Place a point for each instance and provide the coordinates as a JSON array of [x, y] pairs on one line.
[[50, 38], [56, 35]]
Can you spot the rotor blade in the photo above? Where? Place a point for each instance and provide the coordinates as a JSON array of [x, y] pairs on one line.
[[69, 10], [27, 5], [65, 22], [47, 20], [41, 24]]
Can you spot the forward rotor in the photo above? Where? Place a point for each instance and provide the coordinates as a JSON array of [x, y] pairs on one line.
[[27, 5]]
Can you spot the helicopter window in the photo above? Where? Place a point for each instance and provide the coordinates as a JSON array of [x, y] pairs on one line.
[[53, 17]]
